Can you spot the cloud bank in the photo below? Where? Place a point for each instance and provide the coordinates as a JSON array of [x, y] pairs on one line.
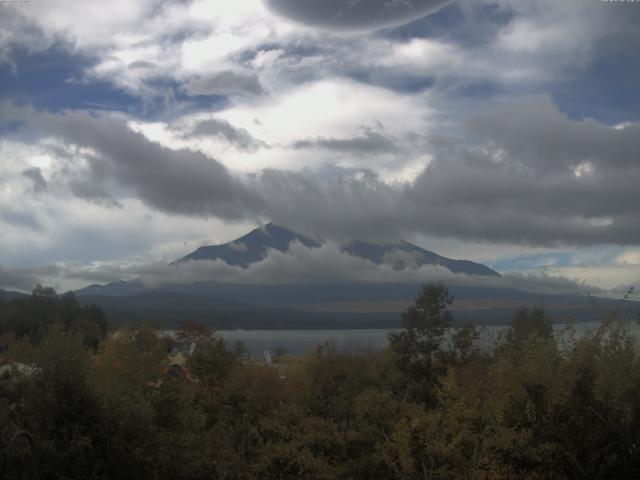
[[525, 173], [301, 265], [151, 128]]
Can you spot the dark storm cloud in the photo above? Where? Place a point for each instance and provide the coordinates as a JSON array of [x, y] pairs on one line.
[[340, 204], [553, 142], [530, 175], [527, 174], [369, 142], [355, 14], [225, 83], [534, 176], [90, 188], [13, 216], [13, 279], [35, 175], [221, 129], [605, 86], [175, 181]]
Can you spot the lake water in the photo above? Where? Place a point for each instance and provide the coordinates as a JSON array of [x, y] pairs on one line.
[[298, 342]]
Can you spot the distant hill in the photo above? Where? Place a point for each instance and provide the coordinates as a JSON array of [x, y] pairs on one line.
[[331, 304], [113, 289], [9, 295], [254, 247]]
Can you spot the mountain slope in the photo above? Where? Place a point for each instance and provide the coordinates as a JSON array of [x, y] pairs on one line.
[[6, 295], [405, 254], [315, 306], [254, 247], [113, 289]]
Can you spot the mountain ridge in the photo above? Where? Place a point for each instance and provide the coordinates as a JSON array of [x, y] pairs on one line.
[[255, 245], [328, 304], [6, 295], [251, 247]]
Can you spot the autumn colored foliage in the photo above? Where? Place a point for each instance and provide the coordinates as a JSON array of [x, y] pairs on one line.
[[438, 403]]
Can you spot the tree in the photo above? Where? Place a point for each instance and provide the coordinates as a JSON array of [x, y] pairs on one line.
[[212, 361], [527, 323], [417, 348], [60, 407], [193, 332], [463, 343], [32, 317]]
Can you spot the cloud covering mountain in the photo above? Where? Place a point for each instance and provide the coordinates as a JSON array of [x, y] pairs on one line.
[[256, 246], [496, 130], [533, 184]]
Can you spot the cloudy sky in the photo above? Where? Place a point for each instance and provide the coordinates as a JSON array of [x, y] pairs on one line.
[[501, 131]]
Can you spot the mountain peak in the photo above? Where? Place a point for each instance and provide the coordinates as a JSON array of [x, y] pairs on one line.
[[255, 245], [252, 247]]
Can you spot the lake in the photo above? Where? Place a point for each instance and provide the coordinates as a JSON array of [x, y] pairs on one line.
[[298, 342]]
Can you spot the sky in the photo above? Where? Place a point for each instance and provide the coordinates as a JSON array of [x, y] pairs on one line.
[[501, 131]]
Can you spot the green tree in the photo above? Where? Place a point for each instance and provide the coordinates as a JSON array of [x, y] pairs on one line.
[[212, 361], [33, 316], [60, 407], [527, 323], [418, 347], [463, 343]]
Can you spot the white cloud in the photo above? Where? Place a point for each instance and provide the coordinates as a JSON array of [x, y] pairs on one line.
[[327, 263], [298, 85], [55, 225], [332, 108], [602, 276], [629, 257]]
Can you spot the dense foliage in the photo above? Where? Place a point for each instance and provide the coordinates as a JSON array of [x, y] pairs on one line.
[[34, 316], [529, 404]]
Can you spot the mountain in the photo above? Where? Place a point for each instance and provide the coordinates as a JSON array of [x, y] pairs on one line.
[[10, 295], [331, 304], [113, 289], [252, 247], [404, 254], [255, 246]]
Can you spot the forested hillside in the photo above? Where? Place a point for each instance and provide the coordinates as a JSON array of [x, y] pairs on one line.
[[534, 405]]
